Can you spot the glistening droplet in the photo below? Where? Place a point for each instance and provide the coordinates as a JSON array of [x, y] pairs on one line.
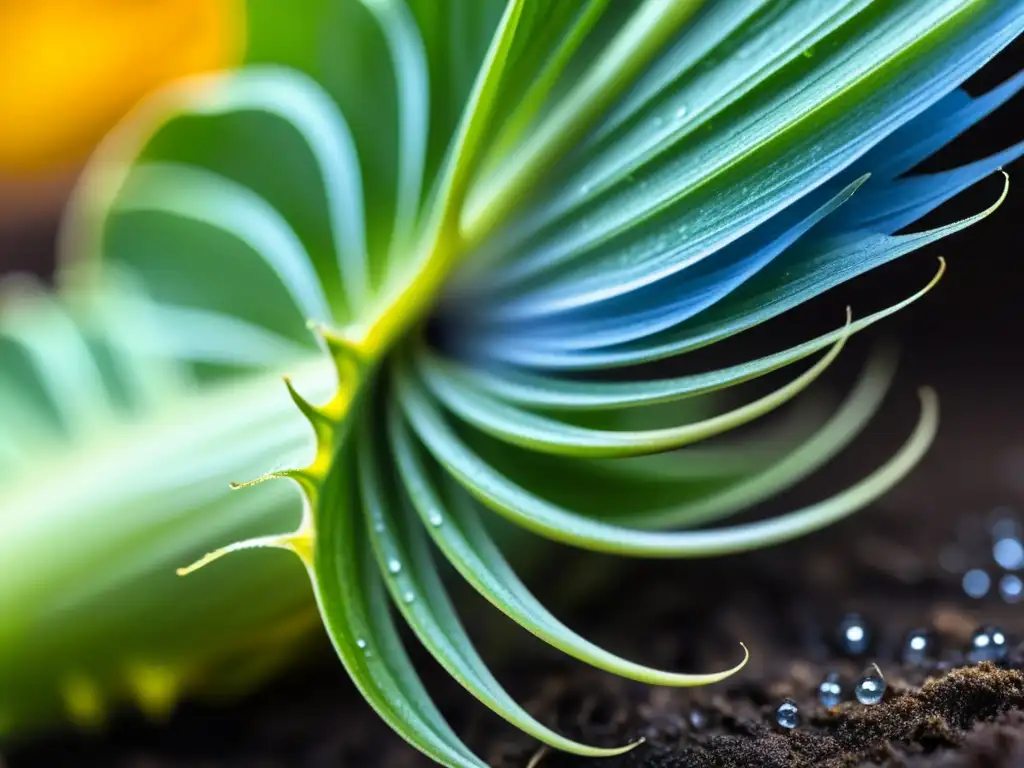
[[917, 646], [830, 691], [788, 714], [988, 643], [854, 635], [870, 689]]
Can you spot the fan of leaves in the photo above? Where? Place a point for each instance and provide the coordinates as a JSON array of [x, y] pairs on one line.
[[483, 209]]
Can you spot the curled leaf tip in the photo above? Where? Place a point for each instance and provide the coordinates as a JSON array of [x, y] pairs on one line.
[[1002, 197], [539, 755], [746, 658], [929, 399], [314, 415], [239, 485], [274, 542]]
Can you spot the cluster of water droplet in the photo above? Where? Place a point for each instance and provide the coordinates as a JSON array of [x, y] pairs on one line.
[[1004, 545], [869, 689], [988, 643]]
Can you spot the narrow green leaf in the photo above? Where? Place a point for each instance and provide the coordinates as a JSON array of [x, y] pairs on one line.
[[465, 542], [411, 576], [541, 433], [354, 608], [218, 202], [527, 510], [844, 425]]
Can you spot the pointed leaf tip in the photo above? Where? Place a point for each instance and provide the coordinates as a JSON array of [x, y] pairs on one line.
[[314, 415], [293, 542]]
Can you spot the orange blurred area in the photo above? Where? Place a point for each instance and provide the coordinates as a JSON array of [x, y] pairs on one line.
[[70, 69]]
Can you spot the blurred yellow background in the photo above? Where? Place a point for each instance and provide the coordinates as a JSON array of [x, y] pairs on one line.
[[70, 69]]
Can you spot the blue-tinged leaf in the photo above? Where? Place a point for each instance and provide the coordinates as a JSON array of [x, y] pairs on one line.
[[902, 202], [673, 301], [784, 145], [525, 509], [542, 433], [934, 128]]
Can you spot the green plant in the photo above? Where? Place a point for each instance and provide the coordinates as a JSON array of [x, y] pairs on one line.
[[476, 208]]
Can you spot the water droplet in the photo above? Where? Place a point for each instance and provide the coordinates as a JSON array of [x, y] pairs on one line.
[[830, 691], [976, 583], [854, 635], [1011, 588], [361, 643], [408, 597], [917, 646], [394, 566], [435, 519], [987, 644], [697, 719], [681, 112], [1008, 553], [787, 715], [871, 687]]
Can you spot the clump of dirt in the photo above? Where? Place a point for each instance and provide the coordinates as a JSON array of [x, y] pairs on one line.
[[975, 708]]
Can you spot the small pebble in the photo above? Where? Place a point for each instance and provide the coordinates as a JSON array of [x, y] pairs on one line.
[[918, 646], [976, 583], [987, 644], [830, 691], [787, 715], [871, 687], [854, 635]]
